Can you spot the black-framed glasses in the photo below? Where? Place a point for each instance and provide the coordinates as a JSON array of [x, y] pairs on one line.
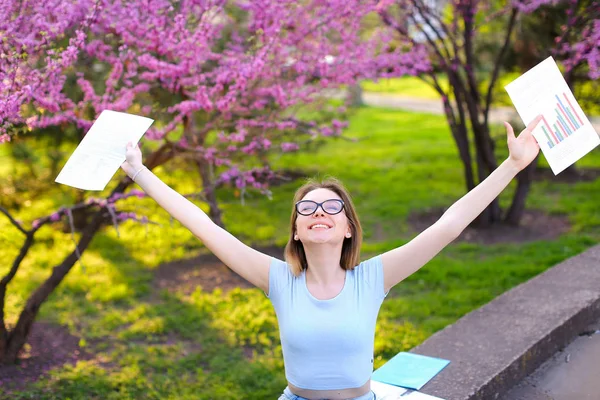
[[309, 207]]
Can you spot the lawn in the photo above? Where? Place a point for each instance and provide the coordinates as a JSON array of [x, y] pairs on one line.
[[146, 343], [411, 86]]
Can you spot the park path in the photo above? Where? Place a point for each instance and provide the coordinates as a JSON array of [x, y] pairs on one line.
[[497, 114]]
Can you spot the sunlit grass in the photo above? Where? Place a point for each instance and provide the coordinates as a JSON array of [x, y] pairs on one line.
[[411, 86]]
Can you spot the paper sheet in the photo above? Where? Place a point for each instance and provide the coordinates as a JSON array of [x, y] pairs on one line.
[[565, 134], [383, 391], [419, 396], [102, 150]]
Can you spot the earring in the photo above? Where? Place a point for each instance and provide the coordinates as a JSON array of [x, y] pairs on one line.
[[295, 237], [348, 234]]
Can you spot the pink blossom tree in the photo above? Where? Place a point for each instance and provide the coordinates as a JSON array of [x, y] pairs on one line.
[[445, 35], [223, 80], [578, 43], [34, 57], [234, 79]]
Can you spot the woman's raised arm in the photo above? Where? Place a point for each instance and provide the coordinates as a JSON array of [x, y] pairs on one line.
[[403, 261], [250, 264]]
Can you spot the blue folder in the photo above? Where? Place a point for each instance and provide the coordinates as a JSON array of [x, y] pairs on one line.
[[409, 370]]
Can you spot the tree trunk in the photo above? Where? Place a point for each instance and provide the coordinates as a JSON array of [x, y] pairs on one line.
[[571, 170], [517, 208], [197, 138], [3, 331], [18, 336], [354, 95], [460, 135], [484, 153], [486, 165], [214, 212], [4, 334]]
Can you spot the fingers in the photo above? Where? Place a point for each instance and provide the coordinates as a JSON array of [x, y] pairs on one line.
[[510, 133], [527, 131], [130, 146], [534, 123]]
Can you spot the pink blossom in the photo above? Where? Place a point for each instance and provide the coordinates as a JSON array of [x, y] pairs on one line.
[[137, 193], [115, 197], [287, 147], [338, 124], [327, 131]]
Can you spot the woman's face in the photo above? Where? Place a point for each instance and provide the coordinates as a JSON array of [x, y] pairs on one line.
[[321, 227]]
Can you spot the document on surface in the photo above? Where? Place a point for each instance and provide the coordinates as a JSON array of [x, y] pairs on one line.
[[419, 396], [564, 134], [102, 150], [383, 391]]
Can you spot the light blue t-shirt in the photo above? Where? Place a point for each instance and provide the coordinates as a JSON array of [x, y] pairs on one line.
[[327, 344]]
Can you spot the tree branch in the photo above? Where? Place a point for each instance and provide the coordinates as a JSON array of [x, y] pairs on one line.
[[470, 62], [14, 221], [425, 13], [498, 63], [431, 42], [8, 277]]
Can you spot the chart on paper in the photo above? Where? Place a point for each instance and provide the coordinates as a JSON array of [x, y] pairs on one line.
[[565, 123], [564, 134]]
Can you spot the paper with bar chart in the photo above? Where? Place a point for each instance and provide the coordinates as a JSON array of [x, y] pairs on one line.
[[564, 134]]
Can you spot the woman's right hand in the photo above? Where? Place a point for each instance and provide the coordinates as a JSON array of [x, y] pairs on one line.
[[133, 160]]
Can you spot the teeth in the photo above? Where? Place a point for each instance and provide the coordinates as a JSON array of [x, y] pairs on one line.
[[319, 226]]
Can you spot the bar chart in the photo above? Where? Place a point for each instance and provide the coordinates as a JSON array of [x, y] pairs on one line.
[[564, 134], [566, 121]]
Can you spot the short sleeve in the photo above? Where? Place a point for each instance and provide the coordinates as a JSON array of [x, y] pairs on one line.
[[372, 272], [280, 277]]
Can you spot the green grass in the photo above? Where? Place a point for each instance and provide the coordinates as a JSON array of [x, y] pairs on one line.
[[411, 86], [161, 345]]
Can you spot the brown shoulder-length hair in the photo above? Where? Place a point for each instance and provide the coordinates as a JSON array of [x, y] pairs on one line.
[[294, 250]]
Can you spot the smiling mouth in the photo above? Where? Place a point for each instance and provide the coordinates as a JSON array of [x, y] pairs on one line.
[[319, 226]]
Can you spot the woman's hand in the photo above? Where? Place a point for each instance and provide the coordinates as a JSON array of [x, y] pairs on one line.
[[525, 148], [133, 160]]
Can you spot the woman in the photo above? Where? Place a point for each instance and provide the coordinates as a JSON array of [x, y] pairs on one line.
[[326, 301]]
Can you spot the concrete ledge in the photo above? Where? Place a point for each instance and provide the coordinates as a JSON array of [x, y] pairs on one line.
[[497, 345]]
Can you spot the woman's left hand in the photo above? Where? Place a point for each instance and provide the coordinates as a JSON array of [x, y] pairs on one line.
[[524, 148]]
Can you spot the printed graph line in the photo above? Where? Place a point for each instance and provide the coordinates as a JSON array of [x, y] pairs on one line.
[[572, 108], [567, 121], [563, 123], [569, 117]]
